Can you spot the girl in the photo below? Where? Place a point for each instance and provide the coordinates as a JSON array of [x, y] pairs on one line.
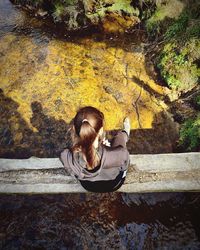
[[98, 166]]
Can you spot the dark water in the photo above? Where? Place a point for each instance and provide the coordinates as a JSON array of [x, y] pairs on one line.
[[92, 221], [106, 221]]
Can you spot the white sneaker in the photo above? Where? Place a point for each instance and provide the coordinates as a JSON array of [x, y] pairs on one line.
[[127, 125]]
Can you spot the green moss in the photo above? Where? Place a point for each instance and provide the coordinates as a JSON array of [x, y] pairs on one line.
[[158, 16], [197, 100], [177, 60], [64, 10], [123, 5], [153, 23], [117, 6], [190, 134], [193, 30], [163, 16], [178, 26], [58, 12], [177, 64], [184, 28]]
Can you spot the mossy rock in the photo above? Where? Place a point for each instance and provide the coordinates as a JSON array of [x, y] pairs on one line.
[[178, 65], [178, 59], [166, 12], [114, 16]]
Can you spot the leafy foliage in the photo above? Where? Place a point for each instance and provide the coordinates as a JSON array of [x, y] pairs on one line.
[[178, 27], [177, 64], [198, 101], [181, 51], [190, 134]]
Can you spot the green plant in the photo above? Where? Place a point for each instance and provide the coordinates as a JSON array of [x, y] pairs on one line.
[[58, 12], [179, 26], [197, 101], [178, 64], [193, 30], [69, 2], [60, 9], [170, 60], [190, 134]]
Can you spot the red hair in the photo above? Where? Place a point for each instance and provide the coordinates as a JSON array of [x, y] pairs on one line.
[[87, 123]]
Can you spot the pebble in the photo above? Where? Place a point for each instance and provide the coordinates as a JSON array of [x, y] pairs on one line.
[[102, 99], [108, 89]]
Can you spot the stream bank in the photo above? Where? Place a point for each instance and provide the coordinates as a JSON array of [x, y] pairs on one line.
[[174, 32], [108, 15]]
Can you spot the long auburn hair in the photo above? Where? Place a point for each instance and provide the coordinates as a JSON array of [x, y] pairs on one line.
[[87, 123]]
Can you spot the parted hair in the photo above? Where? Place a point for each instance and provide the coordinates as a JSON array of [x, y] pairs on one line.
[[87, 123]]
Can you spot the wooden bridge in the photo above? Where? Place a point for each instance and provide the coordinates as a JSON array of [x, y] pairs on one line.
[[147, 173]]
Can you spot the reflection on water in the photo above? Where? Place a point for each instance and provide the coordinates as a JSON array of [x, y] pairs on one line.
[[104, 221]]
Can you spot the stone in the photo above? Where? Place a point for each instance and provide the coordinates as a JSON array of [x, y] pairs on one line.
[[146, 173], [108, 89]]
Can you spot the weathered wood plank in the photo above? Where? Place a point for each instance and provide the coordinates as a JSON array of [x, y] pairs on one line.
[[147, 173]]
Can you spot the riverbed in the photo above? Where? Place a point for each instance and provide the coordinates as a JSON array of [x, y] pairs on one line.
[[45, 76]]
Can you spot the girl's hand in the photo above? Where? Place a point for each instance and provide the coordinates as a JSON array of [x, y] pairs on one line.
[[106, 142]]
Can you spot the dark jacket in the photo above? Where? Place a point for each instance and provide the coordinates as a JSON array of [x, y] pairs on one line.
[[112, 160]]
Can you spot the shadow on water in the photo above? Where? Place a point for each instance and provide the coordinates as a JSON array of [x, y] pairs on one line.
[[17, 140], [50, 136]]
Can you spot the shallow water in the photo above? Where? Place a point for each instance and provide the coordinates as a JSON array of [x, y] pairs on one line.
[[46, 75], [44, 78]]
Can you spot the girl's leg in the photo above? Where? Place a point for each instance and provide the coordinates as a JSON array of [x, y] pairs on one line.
[[122, 136], [120, 139]]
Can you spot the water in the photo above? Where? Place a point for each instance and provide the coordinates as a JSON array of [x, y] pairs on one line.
[[100, 221], [44, 78], [47, 74]]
